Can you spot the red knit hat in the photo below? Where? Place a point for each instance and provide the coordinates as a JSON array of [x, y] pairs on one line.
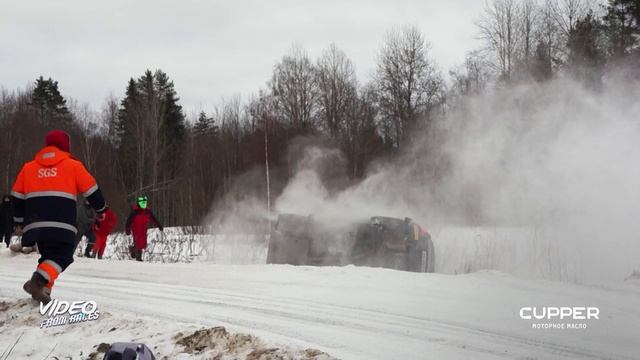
[[59, 139]]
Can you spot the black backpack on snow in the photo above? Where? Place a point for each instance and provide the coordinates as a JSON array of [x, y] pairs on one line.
[[128, 351]]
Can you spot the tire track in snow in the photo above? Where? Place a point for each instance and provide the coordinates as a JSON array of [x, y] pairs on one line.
[[345, 316], [289, 317]]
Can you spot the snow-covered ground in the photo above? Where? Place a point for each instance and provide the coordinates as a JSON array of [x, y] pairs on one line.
[[346, 312]]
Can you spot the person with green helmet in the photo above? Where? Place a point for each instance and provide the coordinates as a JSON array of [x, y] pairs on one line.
[[138, 223]]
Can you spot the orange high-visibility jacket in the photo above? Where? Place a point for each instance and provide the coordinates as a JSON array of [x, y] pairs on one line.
[[46, 191]]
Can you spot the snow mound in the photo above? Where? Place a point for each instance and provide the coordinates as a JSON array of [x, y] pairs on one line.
[[218, 343], [20, 324]]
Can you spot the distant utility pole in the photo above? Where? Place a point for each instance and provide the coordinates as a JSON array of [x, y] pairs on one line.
[[266, 162]]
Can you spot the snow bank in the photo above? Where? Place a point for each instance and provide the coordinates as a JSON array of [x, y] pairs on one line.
[[22, 338]]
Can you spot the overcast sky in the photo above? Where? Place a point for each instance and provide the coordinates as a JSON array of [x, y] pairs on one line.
[[211, 49]]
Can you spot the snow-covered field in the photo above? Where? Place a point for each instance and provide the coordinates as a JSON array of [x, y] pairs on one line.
[[345, 312]]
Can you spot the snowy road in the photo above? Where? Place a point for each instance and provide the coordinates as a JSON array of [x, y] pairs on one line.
[[354, 313]]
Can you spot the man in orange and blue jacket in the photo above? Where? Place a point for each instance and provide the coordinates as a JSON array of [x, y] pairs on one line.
[[44, 200]]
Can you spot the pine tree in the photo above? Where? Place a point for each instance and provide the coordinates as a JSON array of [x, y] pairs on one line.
[[622, 26], [586, 56], [205, 125], [151, 128], [173, 126], [50, 104], [127, 139]]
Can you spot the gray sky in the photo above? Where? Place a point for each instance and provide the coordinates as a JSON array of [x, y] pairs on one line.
[[211, 49]]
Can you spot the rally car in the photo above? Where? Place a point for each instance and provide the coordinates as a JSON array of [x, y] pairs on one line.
[[379, 241]]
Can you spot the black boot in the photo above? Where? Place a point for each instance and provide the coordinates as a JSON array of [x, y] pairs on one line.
[[138, 255], [87, 250], [36, 288]]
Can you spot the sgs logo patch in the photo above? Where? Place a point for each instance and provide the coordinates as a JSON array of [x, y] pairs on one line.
[[48, 172]]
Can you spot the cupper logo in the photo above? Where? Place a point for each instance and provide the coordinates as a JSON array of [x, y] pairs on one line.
[[60, 312], [560, 317]]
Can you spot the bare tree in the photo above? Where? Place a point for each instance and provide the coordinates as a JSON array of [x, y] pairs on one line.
[[550, 45], [261, 115], [90, 128], [567, 13], [295, 91], [109, 119], [337, 89], [408, 84], [470, 78], [528, 22], [499, 29], [361, 141]]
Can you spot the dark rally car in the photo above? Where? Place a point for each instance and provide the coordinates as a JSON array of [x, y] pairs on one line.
[[380, 242]]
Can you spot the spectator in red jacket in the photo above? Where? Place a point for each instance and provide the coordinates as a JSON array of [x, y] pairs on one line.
[[138, 222], [102, 228]]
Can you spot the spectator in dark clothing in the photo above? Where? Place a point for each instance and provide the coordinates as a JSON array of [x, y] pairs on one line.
[[85, 218], [6, 219]]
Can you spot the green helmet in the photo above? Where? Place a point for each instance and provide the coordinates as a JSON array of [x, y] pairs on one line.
[[142, 201]]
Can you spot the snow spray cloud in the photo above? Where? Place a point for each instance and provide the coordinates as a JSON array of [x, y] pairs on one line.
[[237, 223], [319, 187], [242, 209], [558, 157]]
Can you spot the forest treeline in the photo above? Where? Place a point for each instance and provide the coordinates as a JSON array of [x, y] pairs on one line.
[[142, 142]]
